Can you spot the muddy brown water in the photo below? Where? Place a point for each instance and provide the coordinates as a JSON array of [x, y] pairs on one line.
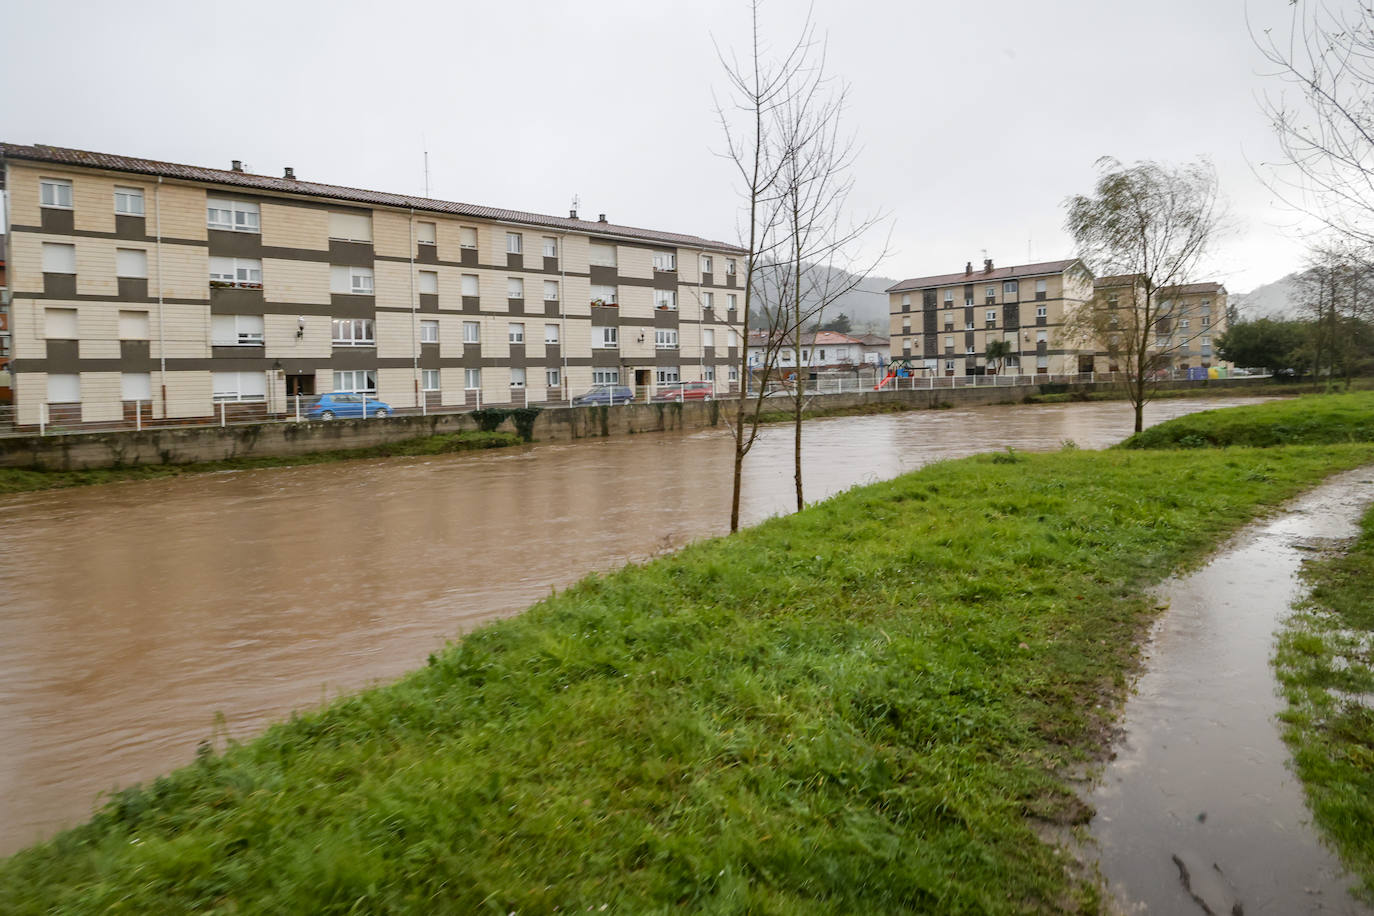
[[135, 614], [1198, 806]]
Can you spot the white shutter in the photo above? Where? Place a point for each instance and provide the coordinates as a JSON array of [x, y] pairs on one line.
[[64, 389], [550, 290], [133, 325], [59, 258], [223, 333], [424, 233], [515, 288], [131, 262], [429, 281], [340, 281], [601, 254], [469, 284], [252, 384], [60, 324], [135, 386], [354, 227], [467, 237]]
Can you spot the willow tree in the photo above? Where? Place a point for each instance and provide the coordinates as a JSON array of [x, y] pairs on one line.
[[1149, 226]]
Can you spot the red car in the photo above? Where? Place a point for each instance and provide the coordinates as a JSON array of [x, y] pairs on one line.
[[685, 391]]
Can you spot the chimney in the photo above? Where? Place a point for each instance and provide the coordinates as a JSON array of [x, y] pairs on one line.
[[236, 165], [290, 173], [572, 214], [968, 268], [987, 265], [601, 218]]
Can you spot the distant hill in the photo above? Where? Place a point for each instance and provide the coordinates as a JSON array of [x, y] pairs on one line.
[[1272, 300], [866, 304]]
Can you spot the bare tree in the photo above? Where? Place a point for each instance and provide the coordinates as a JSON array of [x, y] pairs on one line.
[[1145, 228], [1337, 293], [1325, 126]]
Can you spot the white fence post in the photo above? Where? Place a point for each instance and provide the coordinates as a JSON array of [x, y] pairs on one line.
[[43, 419], [221, 414], [298, 408], [138, 415]]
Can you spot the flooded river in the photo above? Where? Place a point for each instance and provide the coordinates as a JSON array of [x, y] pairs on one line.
[[133, 615]]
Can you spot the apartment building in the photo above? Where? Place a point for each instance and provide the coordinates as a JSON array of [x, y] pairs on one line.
[[1188, 318], [181, 288], [943, 323]]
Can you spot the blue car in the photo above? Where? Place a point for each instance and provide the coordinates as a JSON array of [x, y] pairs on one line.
[[605, 394], [346, 405]]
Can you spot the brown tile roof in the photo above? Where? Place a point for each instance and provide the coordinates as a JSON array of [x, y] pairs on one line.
[[1185, 289], [979, 275], [63, 156]]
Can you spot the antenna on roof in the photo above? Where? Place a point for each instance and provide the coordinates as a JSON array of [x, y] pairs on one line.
[[576, 201], [426, 173]]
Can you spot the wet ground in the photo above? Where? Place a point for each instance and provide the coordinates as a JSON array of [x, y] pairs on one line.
[[135, 614], [1199, 806]]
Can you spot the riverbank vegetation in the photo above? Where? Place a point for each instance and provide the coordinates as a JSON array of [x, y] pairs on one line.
[[863, 707], [1325, 662], [1308, 420], [20, 480]]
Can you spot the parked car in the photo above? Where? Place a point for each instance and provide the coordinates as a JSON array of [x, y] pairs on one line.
[[605, 394], [346, 405], [685, 391]]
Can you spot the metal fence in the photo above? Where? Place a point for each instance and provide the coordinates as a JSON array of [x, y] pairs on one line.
[[67, 419]]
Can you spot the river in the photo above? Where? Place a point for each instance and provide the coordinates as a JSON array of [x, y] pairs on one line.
[[137, 615]]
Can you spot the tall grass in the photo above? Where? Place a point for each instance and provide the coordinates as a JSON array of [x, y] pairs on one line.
[[1308, 420]]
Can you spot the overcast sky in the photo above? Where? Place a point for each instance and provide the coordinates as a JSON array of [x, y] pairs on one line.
[[976, 120]]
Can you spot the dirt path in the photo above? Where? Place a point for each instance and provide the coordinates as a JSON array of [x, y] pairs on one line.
[[1198, 812]]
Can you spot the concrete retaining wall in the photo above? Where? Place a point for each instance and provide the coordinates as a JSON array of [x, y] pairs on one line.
[[191, 444]]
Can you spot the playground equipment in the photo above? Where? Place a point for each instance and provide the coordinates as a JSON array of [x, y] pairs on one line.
[[896, 368]]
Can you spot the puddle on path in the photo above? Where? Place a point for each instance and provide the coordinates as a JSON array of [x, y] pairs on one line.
[[1200, 784]]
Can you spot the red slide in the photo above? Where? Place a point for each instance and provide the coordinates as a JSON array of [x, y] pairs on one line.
[[890, 376]]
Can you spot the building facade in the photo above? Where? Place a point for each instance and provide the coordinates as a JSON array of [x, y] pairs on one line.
[[1188, 319], [182, 288], [829, 351], [943, 323]]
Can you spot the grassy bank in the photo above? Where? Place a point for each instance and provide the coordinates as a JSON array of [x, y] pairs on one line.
[[862, 708], [19, 480], [1310, 420], [1325, 661]]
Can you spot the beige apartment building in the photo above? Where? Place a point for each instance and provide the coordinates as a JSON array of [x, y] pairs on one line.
[[1188, 319], [943, 323], [180, 288]]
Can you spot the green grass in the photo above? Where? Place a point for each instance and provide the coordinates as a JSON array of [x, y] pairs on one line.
[[1325, 657], [20, 480], [1308, 420], [862, 708]]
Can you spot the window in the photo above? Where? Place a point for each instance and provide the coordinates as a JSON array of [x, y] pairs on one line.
[[429, 331], [949, 343], [665, 260], [467, 237], [128, 201], [470, 285], [515, 332], [232, 215], [708, 300], [351, 227], [949, 365], [601, 254], [1112, 301], [729, 267], [63, 388], [708, 337], [991, 292], [54, 192], [131, 262], [550, 290], [708, 374], [60, 324], [356, 281], [906, 299], [429, 379], [426, 234], [514, 242], [236, 330], [550, 247], [1206, 322], [665, 298], [1041, 311], [550, 333], [733, 373], [353, 332], [517, 377], [360, 381], [1206, 306], [1042, 362], [59, 258], [553, 378], [604, 338], [1009, 288], [968, 301], [1040, 287], [135, 386], [666, 375], [968, 325], [429, 282], [133, 325], [733, 338], [472, 379], [706, 263], [970, 349], [605, 376], [665, 339], [730, 302], [1183, 324], [603, 295], [949, 298], [991, 316], [241, 386], [231, 273], [1162, 340], [1042, 336], [472, 332], [515, 288]]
